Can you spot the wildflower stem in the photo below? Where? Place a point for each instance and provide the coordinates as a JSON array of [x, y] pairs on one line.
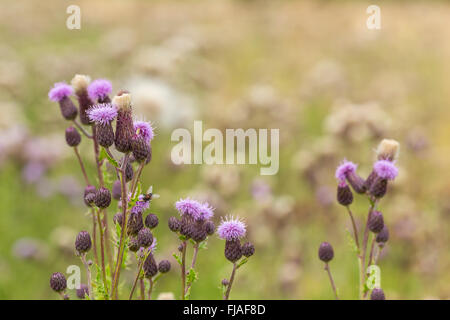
[[150, 290], [378, 252], [183, 270], [141, 263], [194, 260], [136, 178], [364, 244], [230, 284], [82, 166], [89, 276], [124, 226], [372, 248], [360, 261], [142, 287], [94, 236], [80, 127], [102, 242], [333, 286], [355, 230]]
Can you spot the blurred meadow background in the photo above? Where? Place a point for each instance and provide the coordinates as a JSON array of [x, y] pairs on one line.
[[310, 68]]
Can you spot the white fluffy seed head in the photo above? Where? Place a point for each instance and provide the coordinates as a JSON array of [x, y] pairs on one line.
[[122, 101], [388, 149], [80, 82]]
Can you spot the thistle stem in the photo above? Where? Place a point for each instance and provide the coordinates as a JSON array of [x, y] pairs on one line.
[[102, 241], [89, 276], [194, 260], [142, 286], [138, 275], [94, 236], [333, 286], [150, 290], [80, 127], [364, 244], [83, 169], [230, 284], [183, 271], [360, 261]]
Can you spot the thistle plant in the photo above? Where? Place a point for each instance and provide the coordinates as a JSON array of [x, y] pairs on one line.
[[375, 234], [126, 147]]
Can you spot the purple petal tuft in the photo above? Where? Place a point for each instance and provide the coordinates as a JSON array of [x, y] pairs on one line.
[[385, 169], [231, 229], [144, 129], [59, 91], [344, 169], [99, 88], [102, 113]]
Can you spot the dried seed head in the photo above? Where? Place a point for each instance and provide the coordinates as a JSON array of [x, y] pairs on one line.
[[145, 238], [73, 138], [133, 244], [248, 249], [388, 149], [326, 252], [383, 235], [142, 150], [103, 198], [83, 291], [164, 266], [117, 190], [376, 222], [344, 194], [80, 84], [377, 294], [58, 282], [150, 267], [210, 227], [83, 242], [233, 250], [174, 224], [122, 100], [151, 221]]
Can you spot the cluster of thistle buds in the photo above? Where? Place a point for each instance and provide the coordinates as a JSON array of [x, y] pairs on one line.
[[193, 227], [374, 187], [93, 116]]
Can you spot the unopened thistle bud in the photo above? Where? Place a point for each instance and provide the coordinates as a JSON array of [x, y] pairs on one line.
[[83, 291], [248, 249], [83, 242], [385, 170], [210, 227], [80, 83], [142, 151], [103, 198], [198, 232], [73, 138], [225, 282], [186, 226], [388, 149], [58, 282], [129, 172], [376, 222], [102, 115], [174, 224], [117, 190], [370, 180], [233, 250], [150, 267], [344, 194], [124, 126], [99, 90], [89, 195], [377, 294], [118, 218], [145, 238], [133, 244], [135, 223], [151, 221], [60, 93], [164, 266], [347, 171], [382, 236], [232, 230], [326, 252]]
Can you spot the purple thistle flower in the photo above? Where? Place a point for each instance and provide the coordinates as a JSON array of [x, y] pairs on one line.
[[144, 130], [99, 89], [141, 206], [345, 168], [102, 113], [385, 169], [206, 212], [189, 207], [231, 229], [60, 91]]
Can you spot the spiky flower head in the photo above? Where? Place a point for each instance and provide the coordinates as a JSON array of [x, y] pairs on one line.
[[103, 113], [388, 149], [99, 89], [144, 130], [206, 212], [189, 207], [344, 169], [59, 91], [141, 206], [231, 229], [385, 169], [326, 252], [58, 282], [83, 242], [83, 291]]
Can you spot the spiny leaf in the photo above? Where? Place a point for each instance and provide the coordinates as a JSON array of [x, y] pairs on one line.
[[105, 155], [192, 276], [178, 258], [243, 261], [203, 245]]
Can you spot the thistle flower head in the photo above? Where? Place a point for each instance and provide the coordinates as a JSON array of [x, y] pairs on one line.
[[59, 91], [80, 82], [122, 100], [141, 206], [102, 113], [189, 207], [385, 169], [388, 149], [231, 229], [206, 212], [144, 130], [99, 89], [345, 168]]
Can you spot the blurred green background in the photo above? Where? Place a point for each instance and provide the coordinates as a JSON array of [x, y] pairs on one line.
[[310, 68]]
